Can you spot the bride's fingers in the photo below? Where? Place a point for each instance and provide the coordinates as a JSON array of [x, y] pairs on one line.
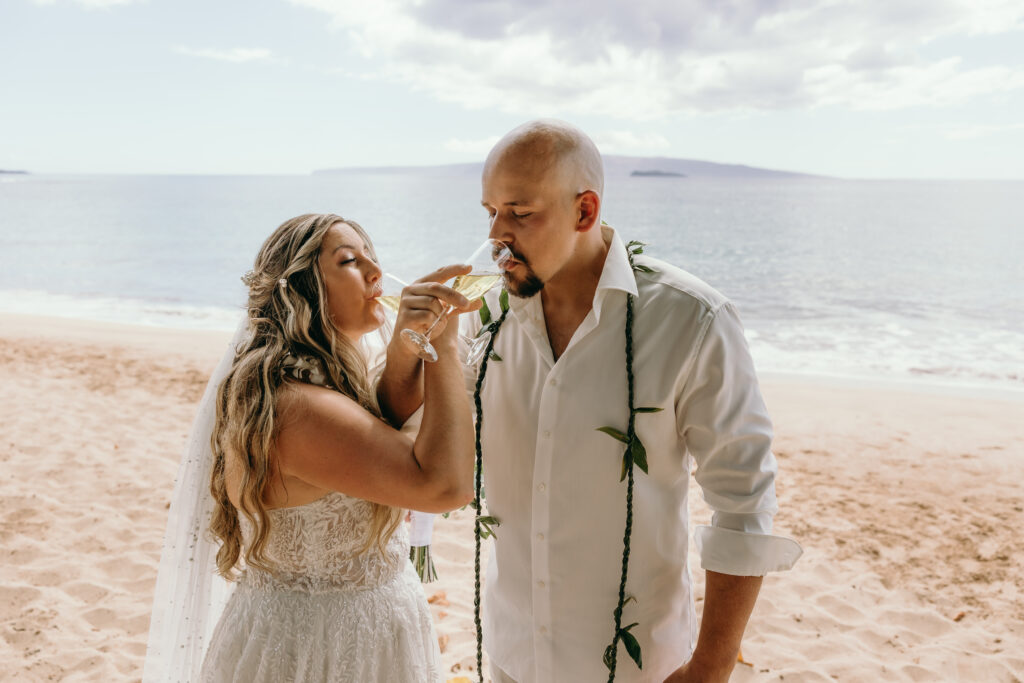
[[474, 305], [419, 319], [446, 295], [446, 273], [423, 304], [450, 325]]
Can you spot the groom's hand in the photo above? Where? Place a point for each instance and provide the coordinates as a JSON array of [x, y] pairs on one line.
[[693, 673], [728, 602]]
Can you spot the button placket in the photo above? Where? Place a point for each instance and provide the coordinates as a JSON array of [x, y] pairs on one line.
[[544, 452]]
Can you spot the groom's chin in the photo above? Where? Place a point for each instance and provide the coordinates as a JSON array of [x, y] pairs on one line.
[[522, 288]]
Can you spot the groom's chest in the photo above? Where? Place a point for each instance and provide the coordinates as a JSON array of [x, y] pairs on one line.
[[537, 408]]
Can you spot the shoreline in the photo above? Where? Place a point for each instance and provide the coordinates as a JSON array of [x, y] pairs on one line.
[[199, 344], [201, 341]]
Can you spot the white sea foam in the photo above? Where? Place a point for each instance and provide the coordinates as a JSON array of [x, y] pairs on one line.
[[127, 311], [982, 358]]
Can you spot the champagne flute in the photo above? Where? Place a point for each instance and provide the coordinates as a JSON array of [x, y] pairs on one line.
[[391, 299], [391, 292], [486, 263]]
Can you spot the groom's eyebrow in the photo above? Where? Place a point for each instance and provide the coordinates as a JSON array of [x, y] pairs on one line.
[[517, 202]]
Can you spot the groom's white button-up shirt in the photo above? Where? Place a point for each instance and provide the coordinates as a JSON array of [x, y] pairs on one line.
[[552, 479]]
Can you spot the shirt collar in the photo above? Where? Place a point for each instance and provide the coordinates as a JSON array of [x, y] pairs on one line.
[[616, 274]]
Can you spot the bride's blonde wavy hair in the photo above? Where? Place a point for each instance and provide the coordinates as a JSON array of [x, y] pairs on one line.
[[288, 316]]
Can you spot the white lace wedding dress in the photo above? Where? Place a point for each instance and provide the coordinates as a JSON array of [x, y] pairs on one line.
[[328, 614]]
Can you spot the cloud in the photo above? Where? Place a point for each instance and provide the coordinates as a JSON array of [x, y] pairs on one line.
[[237, 55], [623, 141], [649, 58], [476, 147], [92, 4], [974, 132]]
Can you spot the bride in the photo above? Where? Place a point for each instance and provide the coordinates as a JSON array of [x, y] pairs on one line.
[[307, 479]]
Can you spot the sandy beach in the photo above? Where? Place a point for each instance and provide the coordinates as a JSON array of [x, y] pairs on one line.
[[906, 499]]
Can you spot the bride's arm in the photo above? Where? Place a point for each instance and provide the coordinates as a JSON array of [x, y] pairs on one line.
[[329, 441], [400, 389]]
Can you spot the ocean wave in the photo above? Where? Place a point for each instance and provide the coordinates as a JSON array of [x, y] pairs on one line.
[[879, 348], [929, 354], [127, 311]]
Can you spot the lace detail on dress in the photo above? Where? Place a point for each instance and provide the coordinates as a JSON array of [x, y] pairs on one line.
[[326, 614], [315, 548]]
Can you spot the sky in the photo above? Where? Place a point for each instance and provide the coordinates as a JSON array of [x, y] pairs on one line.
[[849, 88]]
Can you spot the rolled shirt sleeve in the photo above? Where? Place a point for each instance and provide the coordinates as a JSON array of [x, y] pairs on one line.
[[725, 425]]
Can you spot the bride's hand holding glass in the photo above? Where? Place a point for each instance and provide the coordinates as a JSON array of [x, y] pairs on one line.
[[485, 269], [427, 305]]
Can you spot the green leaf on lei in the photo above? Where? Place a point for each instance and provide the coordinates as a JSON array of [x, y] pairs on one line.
[[485, 315], [608, 656], [486, 524], [632, 646], [614, 433], [638, 454], [642, 269], [648, 410], [636, 246], [503, 300], [494, 356]]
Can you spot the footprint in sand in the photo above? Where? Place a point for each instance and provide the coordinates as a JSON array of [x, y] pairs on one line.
[[88, 593]]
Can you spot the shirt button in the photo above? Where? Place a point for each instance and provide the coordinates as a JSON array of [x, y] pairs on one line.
[[553, 382], [541, 487], [540, 584], [547, 433], [540, 537], [543, 629]]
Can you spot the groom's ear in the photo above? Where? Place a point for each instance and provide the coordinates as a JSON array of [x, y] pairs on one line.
[[588, 208]]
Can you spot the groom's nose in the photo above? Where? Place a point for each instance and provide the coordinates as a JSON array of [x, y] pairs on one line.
[[499, 229]]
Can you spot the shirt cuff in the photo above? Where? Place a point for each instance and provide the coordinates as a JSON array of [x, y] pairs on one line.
[[741, 554]]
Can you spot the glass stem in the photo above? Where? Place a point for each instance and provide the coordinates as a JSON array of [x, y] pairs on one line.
[[426, 335]]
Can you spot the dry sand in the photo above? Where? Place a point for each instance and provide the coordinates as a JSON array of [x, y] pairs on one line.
[[907, 501]]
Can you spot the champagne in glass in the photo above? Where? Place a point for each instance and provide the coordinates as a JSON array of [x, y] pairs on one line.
[[475, 286], [391, 292], [390, 302], [486, 263]]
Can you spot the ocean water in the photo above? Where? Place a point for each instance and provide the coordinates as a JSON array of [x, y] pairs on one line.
[[877, 279]]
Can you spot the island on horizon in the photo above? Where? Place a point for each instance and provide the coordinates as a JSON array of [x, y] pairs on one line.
[[614, 166], [657, 174], [2, 171]]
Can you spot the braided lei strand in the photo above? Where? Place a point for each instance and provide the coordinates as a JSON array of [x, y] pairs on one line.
[[635, 454]]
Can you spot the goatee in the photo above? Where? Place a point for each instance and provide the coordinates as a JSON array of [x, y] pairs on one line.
[[529, 286]]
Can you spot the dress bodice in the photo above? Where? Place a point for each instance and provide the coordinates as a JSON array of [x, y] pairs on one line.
[[326, 613], [316, 547]]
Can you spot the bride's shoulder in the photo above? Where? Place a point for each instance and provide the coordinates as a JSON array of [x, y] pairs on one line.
[[301, 402]]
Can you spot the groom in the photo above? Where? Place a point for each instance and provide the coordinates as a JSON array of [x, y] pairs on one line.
[[554, 481]]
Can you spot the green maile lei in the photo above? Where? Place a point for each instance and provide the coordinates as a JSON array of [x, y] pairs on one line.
[[635, 455]]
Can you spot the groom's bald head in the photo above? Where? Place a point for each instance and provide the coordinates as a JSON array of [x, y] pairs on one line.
[[544, 145]]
